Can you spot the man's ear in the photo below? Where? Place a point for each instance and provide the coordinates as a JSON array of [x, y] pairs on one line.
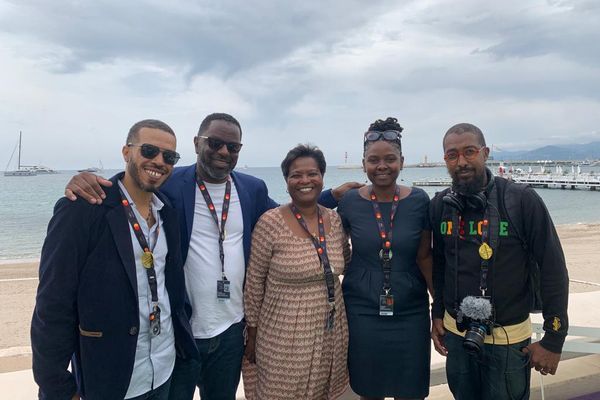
[[125, 151], [486, 153]]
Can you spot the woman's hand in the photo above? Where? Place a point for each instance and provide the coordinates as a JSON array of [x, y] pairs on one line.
[[250, 351], [437, 335]]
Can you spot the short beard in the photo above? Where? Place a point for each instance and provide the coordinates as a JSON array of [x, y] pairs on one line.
[[134, 172], [472, 186], [217, 175]]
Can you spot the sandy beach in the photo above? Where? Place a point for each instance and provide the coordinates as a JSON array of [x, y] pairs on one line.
[[18, 284]]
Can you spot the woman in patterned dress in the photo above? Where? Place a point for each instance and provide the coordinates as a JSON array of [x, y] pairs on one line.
[[297, 329]]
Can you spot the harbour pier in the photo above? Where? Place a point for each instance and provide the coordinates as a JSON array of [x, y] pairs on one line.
[[559, 182]]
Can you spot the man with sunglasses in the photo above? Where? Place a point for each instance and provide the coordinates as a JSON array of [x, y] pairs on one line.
[[490, 239], [215, 253], [111, 293]]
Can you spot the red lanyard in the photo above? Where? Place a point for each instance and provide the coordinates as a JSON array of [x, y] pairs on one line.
[[213, 212], [385, 254], [321, 248], [147, 263]]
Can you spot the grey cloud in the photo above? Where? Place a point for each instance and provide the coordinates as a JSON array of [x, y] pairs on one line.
[[527, 28], [225, 36], [525, 82]]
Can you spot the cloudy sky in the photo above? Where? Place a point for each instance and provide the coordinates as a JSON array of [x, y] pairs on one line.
[[75, 75]]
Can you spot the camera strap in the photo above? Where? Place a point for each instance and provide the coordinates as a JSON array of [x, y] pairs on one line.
[[147, 263], [487, 246], [320, 244], [489, 238]]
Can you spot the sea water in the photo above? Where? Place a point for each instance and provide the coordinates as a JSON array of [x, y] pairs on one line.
[[26, 203]]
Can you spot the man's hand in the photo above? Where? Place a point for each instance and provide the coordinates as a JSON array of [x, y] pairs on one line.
[[341, 190], [544, 361], [250, 351], [87, 186], [437, 335]]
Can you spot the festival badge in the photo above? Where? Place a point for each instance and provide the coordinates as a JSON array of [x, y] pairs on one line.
[[147, 259], [485, 251]]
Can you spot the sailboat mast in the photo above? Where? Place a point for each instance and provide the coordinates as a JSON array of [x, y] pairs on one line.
[[19, 159]]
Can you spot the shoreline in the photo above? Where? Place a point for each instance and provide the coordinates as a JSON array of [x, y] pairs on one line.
[[559, 228], [19, 261]]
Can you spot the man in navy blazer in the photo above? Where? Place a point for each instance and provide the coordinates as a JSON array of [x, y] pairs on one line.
[[214, 285], [96, 305]]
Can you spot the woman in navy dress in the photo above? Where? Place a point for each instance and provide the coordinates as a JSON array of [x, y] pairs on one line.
[[388, 313]]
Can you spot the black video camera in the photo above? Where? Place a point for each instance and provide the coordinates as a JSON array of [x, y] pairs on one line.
[[474, 318]]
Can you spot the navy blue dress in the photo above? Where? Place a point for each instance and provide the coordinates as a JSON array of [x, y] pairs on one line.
[[388, 356]]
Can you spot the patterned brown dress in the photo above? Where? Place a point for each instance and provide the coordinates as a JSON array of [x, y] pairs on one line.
[[286, 298]]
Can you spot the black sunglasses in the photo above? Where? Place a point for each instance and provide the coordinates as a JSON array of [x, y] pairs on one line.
[[150, 151], [373, 136], [216, 144]]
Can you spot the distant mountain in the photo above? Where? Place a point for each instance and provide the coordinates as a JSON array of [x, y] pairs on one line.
[[589, 151]]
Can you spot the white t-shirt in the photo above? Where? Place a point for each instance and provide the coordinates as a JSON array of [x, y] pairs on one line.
[[211, 316]]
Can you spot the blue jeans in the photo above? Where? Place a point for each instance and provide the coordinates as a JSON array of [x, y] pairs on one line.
[[160, 393], [499, 372], [216, 373]]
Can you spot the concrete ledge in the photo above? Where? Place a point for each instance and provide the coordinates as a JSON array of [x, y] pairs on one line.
[[575, 377]]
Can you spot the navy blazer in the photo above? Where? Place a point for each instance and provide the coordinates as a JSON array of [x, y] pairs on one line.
[[87, 300], [252, 192]]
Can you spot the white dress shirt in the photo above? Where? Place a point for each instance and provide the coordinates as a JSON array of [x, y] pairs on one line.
[[154, 355]]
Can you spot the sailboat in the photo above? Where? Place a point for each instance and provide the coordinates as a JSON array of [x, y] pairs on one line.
[[19, 171]]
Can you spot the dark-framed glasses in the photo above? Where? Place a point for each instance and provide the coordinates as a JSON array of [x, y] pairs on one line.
[[391, 135], [216, 144], [150, 152], [470, 154]]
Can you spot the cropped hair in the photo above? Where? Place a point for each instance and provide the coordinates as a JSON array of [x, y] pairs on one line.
[[390, 124], [303, 150], [218, 117], [464, 127], [147, 123]]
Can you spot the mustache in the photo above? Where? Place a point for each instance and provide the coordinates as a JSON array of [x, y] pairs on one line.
[[464, 169], [158, 168], [226, 159]]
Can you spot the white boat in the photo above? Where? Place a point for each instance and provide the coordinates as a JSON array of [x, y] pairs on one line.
[[90, 169], [40, 169], [93, 169], [21, 170]]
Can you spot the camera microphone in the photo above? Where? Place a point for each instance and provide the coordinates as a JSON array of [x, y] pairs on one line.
[[474, 317], [477, 308]]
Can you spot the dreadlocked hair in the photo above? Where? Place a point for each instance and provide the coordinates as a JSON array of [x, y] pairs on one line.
[[390, 124]]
